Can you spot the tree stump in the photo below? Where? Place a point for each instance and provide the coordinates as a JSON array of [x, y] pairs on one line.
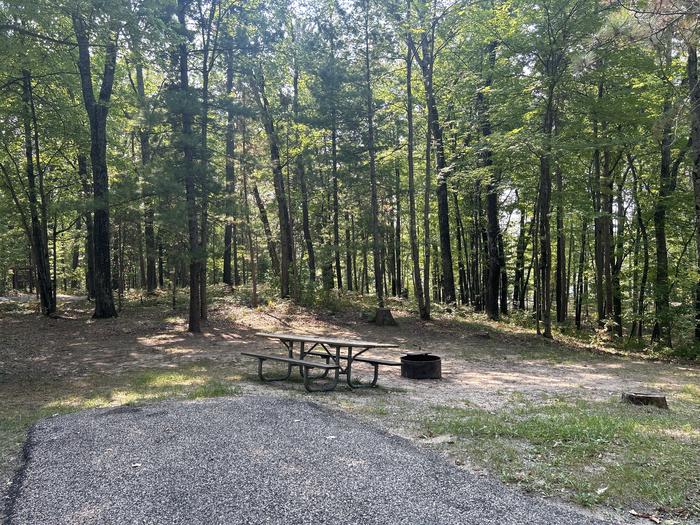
[[645, 398], [383, 317]]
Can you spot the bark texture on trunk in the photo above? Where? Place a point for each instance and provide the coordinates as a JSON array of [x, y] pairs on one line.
[[560, 287], [149, 212], [280, 192], [271, 244], [638, 324], [300, 172], [194, 323], [376, 237], [412, 228], [231, 218], [544, 200], [493, 228], [426, 61], [694, 87], [662, 290], [97, 110], [37, 228]]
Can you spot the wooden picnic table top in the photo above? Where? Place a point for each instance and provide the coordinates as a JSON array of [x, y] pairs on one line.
[[355, 343]]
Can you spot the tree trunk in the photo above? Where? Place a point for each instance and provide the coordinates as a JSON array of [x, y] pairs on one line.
[[504, 274], [230, 203], [280, 193], [348, 253], [140, 256], [544, 199], [560, 285], [97, 110], [427, 63], [301, 177], [38, 229], [662, 327], [461, 271], [694, 87], [271, 244], [161, 270], [89, 246], [618, 259], [426, 226], [149, 213], [581, 268], [311, 254], [448, 280], [413, 233], [195, 312], [75, 256], [397, 237], [494, 257], [493, 228], [599, 224], [354, 254], [209, 53], [476, 287], [252, 246], [607, 230], [336, 226], [376, 239], [519, 276], [389, 252]]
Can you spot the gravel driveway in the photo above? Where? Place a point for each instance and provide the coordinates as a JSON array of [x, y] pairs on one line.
[[249, 460]]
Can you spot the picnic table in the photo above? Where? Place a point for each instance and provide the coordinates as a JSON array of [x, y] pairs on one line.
[[336, 355]]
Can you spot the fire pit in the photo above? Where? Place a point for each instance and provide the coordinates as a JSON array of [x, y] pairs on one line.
[[421, 366]]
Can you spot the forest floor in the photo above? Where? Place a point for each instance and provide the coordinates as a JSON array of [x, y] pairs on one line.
[[542, 415]]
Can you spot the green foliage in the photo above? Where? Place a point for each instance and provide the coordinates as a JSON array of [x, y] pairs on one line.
[[602, 68]]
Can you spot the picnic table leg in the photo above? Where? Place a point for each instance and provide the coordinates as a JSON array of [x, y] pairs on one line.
[[262, 376], [290, 353], [327, 386], [351, 359], [348, 369], [303, 354]]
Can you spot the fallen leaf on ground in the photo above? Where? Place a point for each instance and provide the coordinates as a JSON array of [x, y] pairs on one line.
[[650, 517]]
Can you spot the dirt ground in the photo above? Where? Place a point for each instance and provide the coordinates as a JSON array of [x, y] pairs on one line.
[[485, 371], [38, 356]]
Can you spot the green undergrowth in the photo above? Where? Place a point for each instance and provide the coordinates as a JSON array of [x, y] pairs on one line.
[[589, 452]]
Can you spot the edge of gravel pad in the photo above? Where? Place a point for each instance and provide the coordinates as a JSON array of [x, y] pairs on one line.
[[18, 480]]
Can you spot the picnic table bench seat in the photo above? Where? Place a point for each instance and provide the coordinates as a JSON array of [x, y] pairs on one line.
[[370, 360], [376, 363], [304, 367]]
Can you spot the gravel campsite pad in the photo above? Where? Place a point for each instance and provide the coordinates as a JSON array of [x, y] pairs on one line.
[[249, 460]]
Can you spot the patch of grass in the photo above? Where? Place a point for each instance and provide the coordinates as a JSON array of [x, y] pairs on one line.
[[379, 409], [590, 452], [166, 378], [213, 388], [691, 393]]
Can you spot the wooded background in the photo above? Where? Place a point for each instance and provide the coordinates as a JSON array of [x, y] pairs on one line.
[[532, 158]]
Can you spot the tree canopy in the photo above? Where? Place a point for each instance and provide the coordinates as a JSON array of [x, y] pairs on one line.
[[536, 159]]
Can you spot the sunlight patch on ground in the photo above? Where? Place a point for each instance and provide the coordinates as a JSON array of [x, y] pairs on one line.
[[160, 339]]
